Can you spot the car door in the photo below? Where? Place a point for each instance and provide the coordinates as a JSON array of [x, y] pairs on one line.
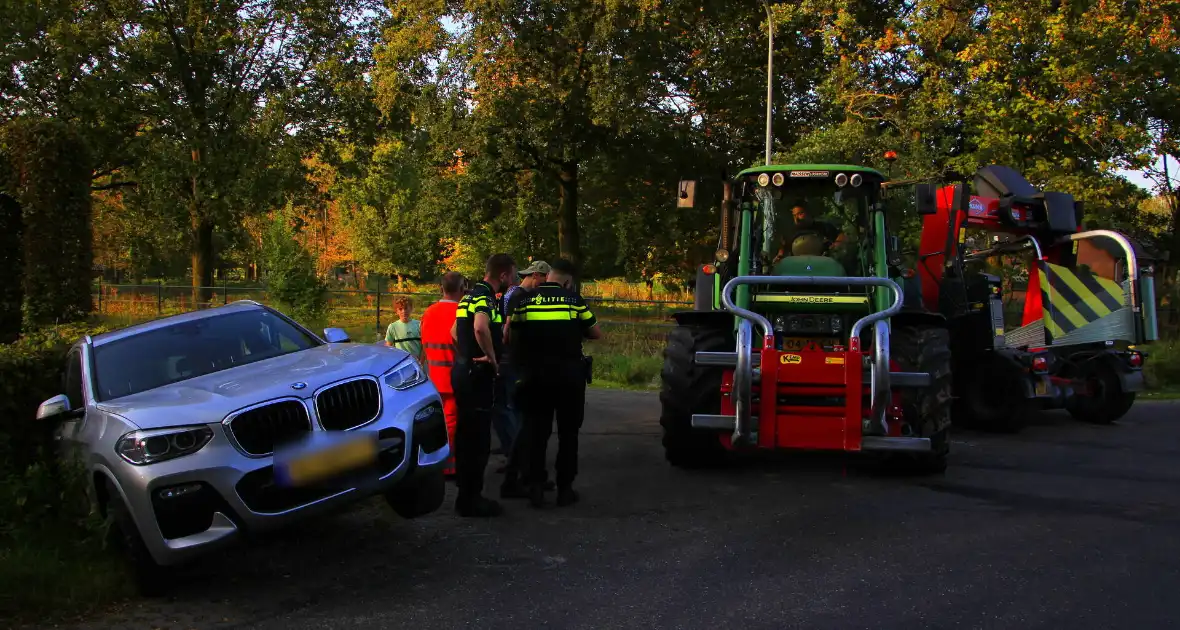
[[72, 424]]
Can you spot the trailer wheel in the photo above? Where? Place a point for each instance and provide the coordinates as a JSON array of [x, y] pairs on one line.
[[927, 349], [991, 398], [1107, 401], [688, 389]]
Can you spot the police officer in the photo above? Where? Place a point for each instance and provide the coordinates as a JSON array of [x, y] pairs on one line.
[[479, 340], [546, 334]]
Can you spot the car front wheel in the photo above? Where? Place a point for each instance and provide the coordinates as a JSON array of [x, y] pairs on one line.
[[150, 579]]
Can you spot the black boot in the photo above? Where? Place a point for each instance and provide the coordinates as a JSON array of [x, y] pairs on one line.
[[566, 496], [537, 496], [479, 507]]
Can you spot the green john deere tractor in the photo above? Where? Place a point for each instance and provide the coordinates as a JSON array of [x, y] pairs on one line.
[[801, 336]]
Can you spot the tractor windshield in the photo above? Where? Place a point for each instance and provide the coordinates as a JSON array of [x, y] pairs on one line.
[[812, 225]]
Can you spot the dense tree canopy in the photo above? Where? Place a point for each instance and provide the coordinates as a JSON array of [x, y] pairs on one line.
[[399, 138]]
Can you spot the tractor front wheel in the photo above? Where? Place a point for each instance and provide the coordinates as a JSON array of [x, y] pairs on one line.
[[687, 389], [926, 349]]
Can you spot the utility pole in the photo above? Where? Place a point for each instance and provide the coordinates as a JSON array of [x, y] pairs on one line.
[[769, 72], [769, 76]]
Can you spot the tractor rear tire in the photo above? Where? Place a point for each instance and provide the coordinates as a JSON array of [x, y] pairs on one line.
[[1109, 403], [688, 389], [927, 349]]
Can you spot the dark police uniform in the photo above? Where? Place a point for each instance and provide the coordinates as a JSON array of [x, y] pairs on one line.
[[548, 327], [474, 385]]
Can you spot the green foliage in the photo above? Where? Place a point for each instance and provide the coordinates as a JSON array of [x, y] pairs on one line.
[[51, 179], [290, 271], [53, 558]]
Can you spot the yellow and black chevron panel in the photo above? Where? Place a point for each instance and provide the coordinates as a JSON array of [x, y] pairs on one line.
[[1074, 298]]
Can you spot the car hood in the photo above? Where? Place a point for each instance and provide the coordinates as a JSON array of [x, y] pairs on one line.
[[212, 397]]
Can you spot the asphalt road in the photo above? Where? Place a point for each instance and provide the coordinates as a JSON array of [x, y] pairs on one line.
[[1062, 526]]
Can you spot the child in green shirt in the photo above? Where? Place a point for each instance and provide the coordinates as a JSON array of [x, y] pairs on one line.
[[405, 333]]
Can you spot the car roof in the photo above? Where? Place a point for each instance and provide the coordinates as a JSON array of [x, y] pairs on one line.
[[191, 316]]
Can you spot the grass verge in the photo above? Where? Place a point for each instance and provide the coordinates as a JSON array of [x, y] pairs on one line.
[[49, 577]]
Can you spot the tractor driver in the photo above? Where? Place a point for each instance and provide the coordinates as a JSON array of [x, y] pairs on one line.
[[809, 236]]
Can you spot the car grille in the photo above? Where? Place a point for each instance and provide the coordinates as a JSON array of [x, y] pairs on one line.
[[348, 405], [259, 430]]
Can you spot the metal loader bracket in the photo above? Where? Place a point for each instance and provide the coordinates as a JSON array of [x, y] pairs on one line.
[[743, 357]]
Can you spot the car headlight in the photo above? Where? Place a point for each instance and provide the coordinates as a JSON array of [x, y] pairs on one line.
[[405, 375], [148, 447]]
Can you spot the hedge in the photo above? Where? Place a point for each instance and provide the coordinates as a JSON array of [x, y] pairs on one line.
[[46, 167], [11, 259], [33, 484]]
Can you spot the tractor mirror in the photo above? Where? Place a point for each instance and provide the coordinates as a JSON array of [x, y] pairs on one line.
[[924, 199], [686, 197]]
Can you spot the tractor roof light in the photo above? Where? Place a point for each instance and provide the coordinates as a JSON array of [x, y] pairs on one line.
[[842, 180], [778, 179], [763, 179], [890, 155], [856, 179]]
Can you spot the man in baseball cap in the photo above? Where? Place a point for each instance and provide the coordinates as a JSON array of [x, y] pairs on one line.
[[537, 268], [506, 416]]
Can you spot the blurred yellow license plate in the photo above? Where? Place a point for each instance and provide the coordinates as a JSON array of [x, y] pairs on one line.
[[325, 462], [1042, 387], [796, 344]]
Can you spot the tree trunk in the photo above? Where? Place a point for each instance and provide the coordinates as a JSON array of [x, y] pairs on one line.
[[202, 253], [568, 240]]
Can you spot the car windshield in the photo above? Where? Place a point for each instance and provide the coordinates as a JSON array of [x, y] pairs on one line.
[[194, 348]]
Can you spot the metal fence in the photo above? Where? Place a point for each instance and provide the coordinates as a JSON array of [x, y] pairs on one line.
[[373, 309], [350, 309]]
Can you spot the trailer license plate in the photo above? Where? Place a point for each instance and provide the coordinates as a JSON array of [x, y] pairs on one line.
[[798, 344], [1042, 387]]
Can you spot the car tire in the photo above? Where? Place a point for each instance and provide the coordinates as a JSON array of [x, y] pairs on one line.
[[150, 579], [423, 495]]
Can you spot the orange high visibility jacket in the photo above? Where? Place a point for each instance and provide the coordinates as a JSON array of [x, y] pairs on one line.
[[436, 340]]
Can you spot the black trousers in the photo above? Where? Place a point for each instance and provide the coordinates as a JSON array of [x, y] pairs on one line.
[[545, 394], [474, 385]]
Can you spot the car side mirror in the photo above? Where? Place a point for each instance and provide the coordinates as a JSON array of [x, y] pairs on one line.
[[55, 407], [336, 335], [925, 200]]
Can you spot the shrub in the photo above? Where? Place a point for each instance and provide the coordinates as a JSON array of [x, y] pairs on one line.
[[1162, 367], [291, 273]]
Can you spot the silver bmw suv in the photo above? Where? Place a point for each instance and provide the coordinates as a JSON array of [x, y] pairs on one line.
[[204, 426]]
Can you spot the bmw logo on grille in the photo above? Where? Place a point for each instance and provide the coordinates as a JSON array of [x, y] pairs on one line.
[[298, 385]]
